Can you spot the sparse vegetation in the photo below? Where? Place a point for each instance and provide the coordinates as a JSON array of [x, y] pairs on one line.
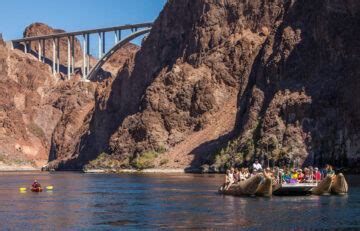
[[145, 160], [36, 130], [15, 160], [239, 149], [160, 149], [106, 161], [164, 161]]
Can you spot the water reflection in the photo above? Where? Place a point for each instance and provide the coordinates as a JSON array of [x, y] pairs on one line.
[[162, 201]]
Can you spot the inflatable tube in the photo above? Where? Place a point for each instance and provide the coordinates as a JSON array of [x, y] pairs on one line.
[[265, 188], [324, 186], [244, 188], [339, 186]]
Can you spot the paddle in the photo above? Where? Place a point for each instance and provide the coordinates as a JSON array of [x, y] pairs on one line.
[[50, 187]]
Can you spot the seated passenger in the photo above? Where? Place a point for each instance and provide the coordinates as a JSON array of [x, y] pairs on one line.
[[294, 176], [317, 175], [236, 175], [329, 170], [36, 184], [229, 179], [300, 175], [242, 174], [246, 173], [286, 177], [307, 176]]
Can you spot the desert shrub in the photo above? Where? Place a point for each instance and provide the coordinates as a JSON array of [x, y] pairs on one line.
[[145, 160], [160, 149], [106, 161], [164, 161]]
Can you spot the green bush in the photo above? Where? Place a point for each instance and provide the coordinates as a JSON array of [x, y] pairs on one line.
[[106, 161], [145, 160]]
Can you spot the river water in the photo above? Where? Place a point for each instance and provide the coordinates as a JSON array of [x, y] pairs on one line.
[[167, 201]]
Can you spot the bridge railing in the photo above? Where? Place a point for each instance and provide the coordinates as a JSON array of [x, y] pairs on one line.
[[70, 36]]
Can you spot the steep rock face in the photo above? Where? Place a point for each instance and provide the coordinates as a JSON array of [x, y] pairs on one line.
[[29, 108], [302, 102], [275, 79], [187, 74], [41, 114]]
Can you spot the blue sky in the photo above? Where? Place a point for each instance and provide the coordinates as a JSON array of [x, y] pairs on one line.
[[73, 15]]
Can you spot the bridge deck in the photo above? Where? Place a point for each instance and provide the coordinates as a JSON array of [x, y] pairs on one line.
[[92, 31]]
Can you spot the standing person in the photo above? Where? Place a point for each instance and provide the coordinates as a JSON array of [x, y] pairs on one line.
[[317, 175], [257, 166], [311, 173]]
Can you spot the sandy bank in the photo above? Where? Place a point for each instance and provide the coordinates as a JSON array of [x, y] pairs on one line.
[[150, 170]]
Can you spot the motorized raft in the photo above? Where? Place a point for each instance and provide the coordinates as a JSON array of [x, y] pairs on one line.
[[261, 185]]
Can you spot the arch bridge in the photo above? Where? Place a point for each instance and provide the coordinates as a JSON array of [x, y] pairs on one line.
[[136, 31]]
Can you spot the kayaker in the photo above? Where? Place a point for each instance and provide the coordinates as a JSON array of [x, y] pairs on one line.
[[36, 184]]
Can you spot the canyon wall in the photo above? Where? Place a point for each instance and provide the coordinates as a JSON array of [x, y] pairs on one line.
[[231, 81], [40, 113]]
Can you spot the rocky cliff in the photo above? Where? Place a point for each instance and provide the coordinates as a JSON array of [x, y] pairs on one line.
[[231, 81], [37, 109]]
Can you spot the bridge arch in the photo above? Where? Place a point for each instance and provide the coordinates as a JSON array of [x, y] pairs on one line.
[[116, 47]]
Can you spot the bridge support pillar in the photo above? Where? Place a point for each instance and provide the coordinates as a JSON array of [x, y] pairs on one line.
[[116, 38], [39, 50], [25, 47], [54, 56], [68, 58], [58, 55], [85, 46], [43, 52], [101, 44], [72, 54], [87, 54]]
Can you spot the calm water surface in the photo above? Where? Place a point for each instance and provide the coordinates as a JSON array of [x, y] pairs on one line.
[[112, 202]]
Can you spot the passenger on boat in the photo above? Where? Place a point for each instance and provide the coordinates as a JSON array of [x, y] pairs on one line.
[[229, 179], [287, 177], [317, 175], [236, 175], [246, 173], [257, 166], [276, 175], [329, 170], [242, 174], [300, 178], [294, 176], [307, 176], [311, 173], [36, 184]]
